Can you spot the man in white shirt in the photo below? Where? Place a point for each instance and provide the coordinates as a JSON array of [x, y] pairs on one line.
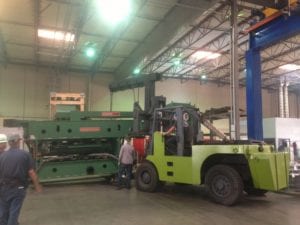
[[126, 157]]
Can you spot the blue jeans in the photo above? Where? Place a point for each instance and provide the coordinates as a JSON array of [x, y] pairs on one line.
[[124, 175], [11, 200]]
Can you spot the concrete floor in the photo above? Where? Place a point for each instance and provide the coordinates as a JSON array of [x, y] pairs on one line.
[[94, 204]]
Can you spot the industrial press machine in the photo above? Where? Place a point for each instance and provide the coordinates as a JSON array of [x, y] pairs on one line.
[[76, 146]]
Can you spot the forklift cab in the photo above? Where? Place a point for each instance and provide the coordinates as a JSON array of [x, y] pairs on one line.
[[186, 121]]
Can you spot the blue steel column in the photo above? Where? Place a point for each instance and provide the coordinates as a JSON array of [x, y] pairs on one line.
[[279, 29], [254, 96]]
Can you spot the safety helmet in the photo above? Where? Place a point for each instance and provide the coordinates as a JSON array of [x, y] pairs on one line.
[[3, 138]]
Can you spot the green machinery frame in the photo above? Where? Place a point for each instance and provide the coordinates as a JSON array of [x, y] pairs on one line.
[[77, 146]]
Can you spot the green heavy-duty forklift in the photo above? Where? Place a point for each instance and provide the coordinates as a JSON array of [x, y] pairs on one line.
[[226, 168]]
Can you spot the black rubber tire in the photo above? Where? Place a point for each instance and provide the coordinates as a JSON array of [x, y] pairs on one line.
[[147, 177], [254, 191], [224, 184]]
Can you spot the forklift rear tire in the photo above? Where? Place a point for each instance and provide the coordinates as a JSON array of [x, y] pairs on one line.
[[224, 184], [146, 177]]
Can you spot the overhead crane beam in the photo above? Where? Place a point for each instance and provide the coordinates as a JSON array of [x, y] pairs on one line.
[[276, 30], [270, 3]]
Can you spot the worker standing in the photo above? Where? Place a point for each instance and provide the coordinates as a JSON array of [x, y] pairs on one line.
[[126, 157], [171, 142], [3, 143], [16, 166]]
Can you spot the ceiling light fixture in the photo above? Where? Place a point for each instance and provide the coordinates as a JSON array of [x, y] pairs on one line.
[[90, 52], [176, 61], [206, 55], [114, 11], [290, 67], [56, 35], [203, 77], [136, 71]]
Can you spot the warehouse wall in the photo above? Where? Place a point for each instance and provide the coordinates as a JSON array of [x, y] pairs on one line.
[[24, 93]]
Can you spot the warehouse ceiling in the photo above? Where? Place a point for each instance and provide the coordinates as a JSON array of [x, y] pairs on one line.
[[183, 39]]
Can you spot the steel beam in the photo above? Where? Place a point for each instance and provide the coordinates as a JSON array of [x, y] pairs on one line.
[[31, 25], [278, 4], [82, 18], [276, 53], [234, 68], [279, 29], [192, 36], [254, 99], [36, 6], [275, 31]]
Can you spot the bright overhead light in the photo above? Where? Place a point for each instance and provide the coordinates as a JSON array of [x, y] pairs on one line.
[[56, 35], [213, 56], [290, 67], [176, 61], [90, 52], [203, 77], [136, 71], [206, 55], [114, 11]]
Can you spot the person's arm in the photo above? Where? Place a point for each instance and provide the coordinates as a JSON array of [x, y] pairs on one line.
[[171, 129], [120, 154], [35, 180]]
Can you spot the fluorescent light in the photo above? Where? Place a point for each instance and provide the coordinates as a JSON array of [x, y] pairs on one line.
[[56, 35], [136, 71], [114, 11], [206, 55], [290, 67], [201, 54], [213, 55]]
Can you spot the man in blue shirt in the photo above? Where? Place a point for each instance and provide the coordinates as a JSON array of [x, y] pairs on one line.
[[16, 166]]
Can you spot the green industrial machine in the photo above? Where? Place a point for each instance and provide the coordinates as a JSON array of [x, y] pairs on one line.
[[77, 146], [225, 167]]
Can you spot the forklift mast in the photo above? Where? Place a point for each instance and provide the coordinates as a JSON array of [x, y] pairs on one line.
[[142, 118]]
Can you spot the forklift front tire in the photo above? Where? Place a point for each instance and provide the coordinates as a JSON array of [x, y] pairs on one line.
[[147, 177]]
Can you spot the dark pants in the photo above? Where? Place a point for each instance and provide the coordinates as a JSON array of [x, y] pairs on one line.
[[124, 175], [11, 200], [171, 145]]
